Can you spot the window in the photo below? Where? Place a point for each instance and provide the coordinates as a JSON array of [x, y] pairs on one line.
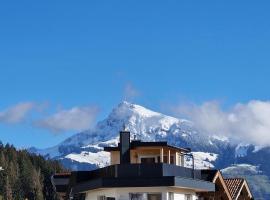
[[181, 160], [101, 198], [171, 196], [145, 196], [137, 196], [188, 197]]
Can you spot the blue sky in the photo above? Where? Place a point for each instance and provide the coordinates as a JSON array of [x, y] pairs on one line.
[[93, 54]]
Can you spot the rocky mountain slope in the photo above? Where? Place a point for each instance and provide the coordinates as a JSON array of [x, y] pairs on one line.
[[84, 150]]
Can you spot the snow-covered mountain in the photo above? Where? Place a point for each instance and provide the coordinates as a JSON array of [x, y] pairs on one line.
[[84, 150], [86, 147]]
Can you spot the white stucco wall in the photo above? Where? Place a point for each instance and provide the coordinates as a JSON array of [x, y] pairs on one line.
[[123, 193]]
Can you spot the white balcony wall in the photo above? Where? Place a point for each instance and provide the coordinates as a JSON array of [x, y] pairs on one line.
[[123, 193]]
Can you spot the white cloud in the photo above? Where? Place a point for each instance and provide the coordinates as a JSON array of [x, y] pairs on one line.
[[74, 119], [248, 122], [130, 92], [16, 113]]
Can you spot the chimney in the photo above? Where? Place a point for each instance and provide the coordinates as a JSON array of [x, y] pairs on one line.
[[124, 147]]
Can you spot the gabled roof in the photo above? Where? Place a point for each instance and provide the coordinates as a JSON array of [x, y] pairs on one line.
[[236, 185], [213, 175], [137, 143]]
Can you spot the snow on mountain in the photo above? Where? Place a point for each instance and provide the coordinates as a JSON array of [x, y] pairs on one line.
[[241, 169], [241, 150], [101, 159], [147, 125], [202, 160]]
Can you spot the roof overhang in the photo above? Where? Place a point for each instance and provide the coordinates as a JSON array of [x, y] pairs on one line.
[[139, 144], [178, 182]]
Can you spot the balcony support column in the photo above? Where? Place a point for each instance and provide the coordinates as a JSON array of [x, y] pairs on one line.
[[161, 155], [169, 156]]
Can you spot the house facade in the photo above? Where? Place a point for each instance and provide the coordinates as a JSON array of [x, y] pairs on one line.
[[141, 171]]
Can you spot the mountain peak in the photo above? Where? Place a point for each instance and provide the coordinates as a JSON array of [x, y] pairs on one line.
[[129, 108]]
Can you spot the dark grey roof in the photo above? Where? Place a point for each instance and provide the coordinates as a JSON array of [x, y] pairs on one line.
[[137, 143]]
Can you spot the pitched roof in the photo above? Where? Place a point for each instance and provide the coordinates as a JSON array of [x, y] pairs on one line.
[[213, 175], [234, 186]]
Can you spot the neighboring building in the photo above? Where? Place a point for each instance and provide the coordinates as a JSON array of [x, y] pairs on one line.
[[238, 188], [142, 171], [61, 184], [221, 190]]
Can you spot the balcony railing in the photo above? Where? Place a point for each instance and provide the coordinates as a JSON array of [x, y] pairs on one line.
[[154, 170]]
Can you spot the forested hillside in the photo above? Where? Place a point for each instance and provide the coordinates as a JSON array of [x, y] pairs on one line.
[[25, 176]]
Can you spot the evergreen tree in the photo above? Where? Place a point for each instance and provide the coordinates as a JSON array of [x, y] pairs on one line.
[[2, 173], [25, 175], [37, 184], [8, 190]]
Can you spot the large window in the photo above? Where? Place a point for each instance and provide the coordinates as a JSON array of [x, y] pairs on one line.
[[145, 196], [101, 198], [188, 197]]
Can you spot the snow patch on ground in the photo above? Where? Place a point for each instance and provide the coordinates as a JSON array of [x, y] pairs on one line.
[[101, 159]]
